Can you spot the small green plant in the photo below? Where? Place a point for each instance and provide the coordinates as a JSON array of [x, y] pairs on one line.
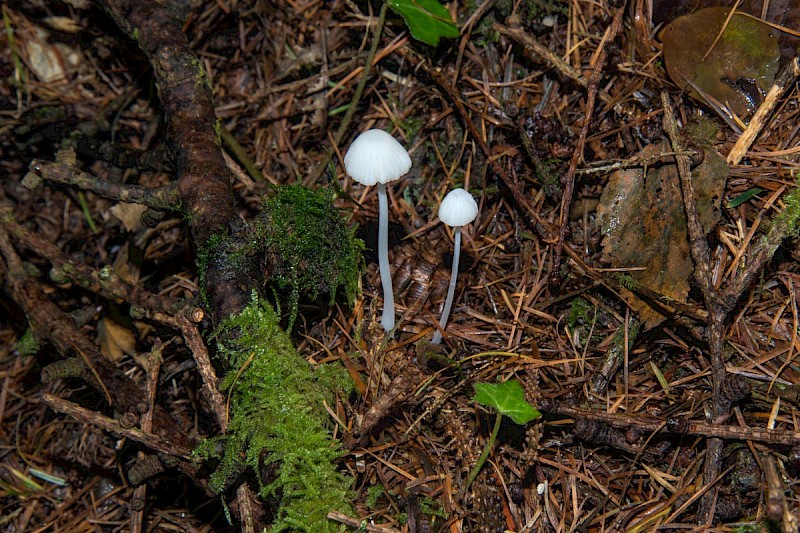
[[507, 399], [744, 197], [428, 20]]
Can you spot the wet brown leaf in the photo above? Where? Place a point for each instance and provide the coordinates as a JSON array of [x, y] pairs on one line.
[[736, 70], [644, 225], [129, 214]]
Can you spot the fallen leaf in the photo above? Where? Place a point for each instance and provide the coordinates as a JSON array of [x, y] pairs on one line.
[[50, 62], [643, 222], [736, 70], [129, 214], [115, 340]]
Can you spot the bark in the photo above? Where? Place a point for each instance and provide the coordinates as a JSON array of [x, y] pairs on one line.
[[203, 180]]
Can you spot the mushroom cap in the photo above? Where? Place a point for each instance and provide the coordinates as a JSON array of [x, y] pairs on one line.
[[458, 208], [376, 157]]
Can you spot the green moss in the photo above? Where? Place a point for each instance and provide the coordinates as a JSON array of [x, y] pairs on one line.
[[431, 507], [581, 311], [28, 344], [230, 255], [785, 224], [202, 76], [627, 281], [701, 131], [309, 251], [278, 423], [374, 492], [217, 130], [790, 216]]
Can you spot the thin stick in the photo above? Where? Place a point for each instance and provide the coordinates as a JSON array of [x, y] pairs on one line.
[[569, 178], [786, 76], [150, 440], [531, 45], [137, 504]]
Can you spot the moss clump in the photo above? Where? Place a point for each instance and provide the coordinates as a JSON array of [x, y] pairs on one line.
[[299, 243], [28, 344], [789, 218], [309, 251], [278, 423]]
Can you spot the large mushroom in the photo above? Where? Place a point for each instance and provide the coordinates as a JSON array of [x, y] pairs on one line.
[[375, 157], [457, 209]]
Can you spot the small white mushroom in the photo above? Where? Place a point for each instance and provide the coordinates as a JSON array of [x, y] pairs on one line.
[[457, 209], [375, 157]]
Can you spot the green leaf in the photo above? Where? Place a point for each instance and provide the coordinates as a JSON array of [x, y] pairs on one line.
[[508, 398], [428, 20], [745, 196]]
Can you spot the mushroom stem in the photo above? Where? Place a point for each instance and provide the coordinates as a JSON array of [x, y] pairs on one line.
[[451, 290], [387, 320]]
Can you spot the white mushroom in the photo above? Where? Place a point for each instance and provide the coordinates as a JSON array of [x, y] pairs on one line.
[[375, 157], [457, 209]]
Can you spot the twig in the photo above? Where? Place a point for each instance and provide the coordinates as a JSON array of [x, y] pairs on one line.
[[360, 525], [195, 343], [161, 198], [532, 45], [150, 440], [674, 426], [697, 238], [780, 229], [569, 178], [104, 282], [784, 80], [140, 493], [701, 255]]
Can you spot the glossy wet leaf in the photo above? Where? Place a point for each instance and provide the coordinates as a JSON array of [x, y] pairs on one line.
[[428, 20], [737, 71], [643, 222], [509, 400]]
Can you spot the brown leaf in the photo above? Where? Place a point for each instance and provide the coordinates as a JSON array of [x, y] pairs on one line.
[[736, 70], [129, 214], [115, 340], [644, 225]]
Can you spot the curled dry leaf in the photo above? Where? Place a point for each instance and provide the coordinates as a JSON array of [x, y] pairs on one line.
[[644, 225]]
